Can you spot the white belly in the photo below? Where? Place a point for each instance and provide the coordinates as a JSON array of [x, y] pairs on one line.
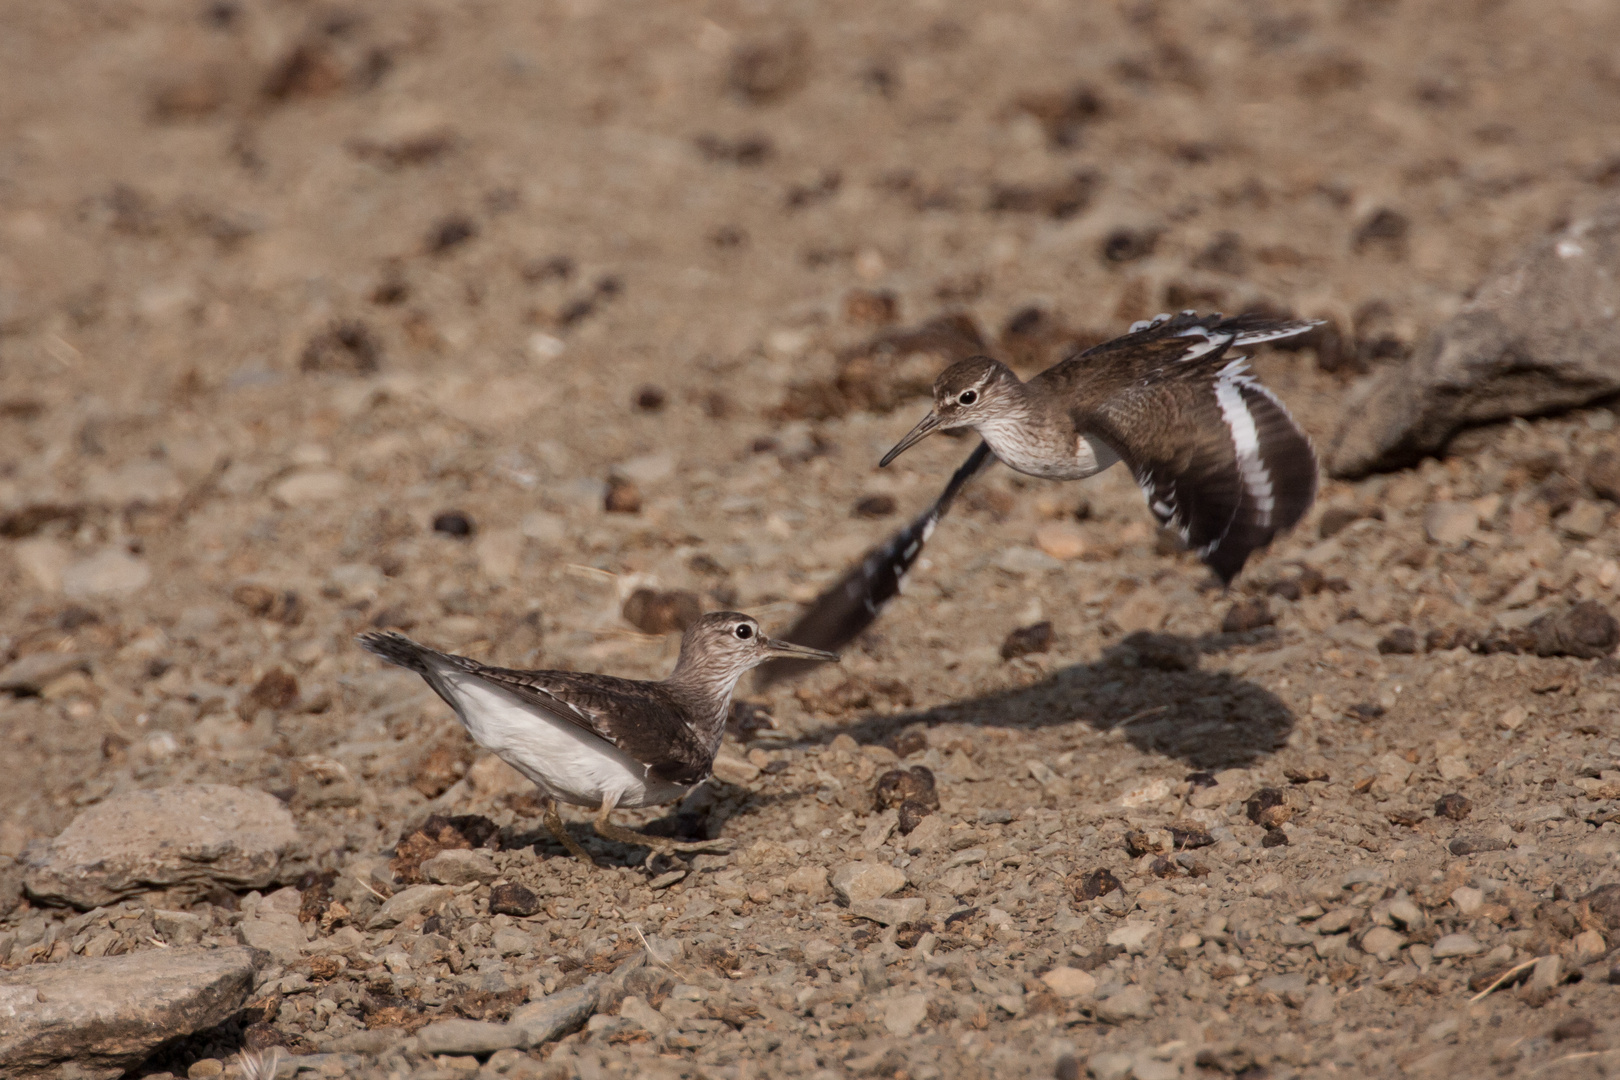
[[564, 761], [1088, 456]]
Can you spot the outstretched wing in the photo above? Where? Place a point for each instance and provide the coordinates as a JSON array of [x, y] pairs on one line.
[[852, 603], [1217, 455]]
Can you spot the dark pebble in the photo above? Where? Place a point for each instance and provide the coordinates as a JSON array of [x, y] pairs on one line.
[[769, 69], [1163, 868], [650, 399], [1603, 475], [899, 786], [1401, 641], [1614, 976], [347, 347], [1067, 1068], [1245, 615], [1470, 845], [1274, 838], [454, 523], [1027, 640], [912, 813], [1189, 835], [1384, 228], [450, 233], [276, 690], [871, 307], [912, 740], [1586, 631], [875, 506], [1367, 710], [513, 899], [1099, 882], [1129, 245], [1576, 1027], [1306, 774], [1162, 652], [997, 816], [654, 612], [1453, 806], [1336, 519], [1138, 844], [1260, 802], [1409, 817], [623, 497]]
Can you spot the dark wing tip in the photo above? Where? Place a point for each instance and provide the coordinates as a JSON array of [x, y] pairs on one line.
[[393, 647]]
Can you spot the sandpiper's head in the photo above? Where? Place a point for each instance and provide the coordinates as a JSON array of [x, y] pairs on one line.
[[969, 393], [728, 643]]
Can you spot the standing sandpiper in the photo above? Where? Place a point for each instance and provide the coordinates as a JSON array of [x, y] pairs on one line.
[[594, 740], [1215, 452]]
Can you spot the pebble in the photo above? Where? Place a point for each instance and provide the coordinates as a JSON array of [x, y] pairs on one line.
[[866, 880], [313, 486], [1382, 942], [110, 572], [1025, 561], [1583, 520], [1246, 615], [458, 1036], [1132, 936], [809, 882], [412, 901], [1068, 982], [891, 912], [1061, 539], [191, 837], [1456, 945], [1468, 900], [902, 1015], [458, 866], [1131, 1003], [555, 1015], [1027, 640], [1110, 1065], [1453, 806], [1473, 845], [30, 674], [638, 1011], [1450, 523]]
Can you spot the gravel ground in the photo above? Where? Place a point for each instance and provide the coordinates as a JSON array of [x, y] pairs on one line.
[[476, 320]]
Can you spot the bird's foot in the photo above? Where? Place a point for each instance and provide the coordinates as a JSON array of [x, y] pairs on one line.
[[554, 825], [609, 831]]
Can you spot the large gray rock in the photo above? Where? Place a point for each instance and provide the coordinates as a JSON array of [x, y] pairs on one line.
[[555, 1015], [1541, 336], [188, 837], [107, 1014]]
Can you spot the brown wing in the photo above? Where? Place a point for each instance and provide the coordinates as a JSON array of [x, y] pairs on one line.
[[1215, 453], [638, 718]]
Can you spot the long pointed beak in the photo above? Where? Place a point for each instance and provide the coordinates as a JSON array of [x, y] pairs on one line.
[[788, 650], [925, 427]]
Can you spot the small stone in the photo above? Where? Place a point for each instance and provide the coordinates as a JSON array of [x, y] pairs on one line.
[[190, 837], [1576, 1027], [1468, 900], [459, 866], [1069, 983], [1603, 475], [878, 830], [1131, 1003], [468, 1037], [1586, 631], [1453, 806], [28, 675], [1246, 615], [866, 880], [305, 488], [1589, 945], [891, 912], [1544, 981], [809, 882], [1473, 845], [734, 771], [1110, 1065], [1144, 609], [1512, 718], [1456, 945], [1132, 936], [655, 612], [911, 815], [1338, 920], [898, 786], [636, 1010], [1382, 942], [1583, 520], [205, 1069], [1061, 539], [1401, 641], [902, 1014], [413, 901], [454, 523], [1450, 523], [113, 571], [1026, 640], [623, 496], [1274, 838], [874, 506], [1263, 805], [555, 1015], [650, 398], [1099, 882]]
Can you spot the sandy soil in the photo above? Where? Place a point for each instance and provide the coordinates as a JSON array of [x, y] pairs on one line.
[[283, 283]]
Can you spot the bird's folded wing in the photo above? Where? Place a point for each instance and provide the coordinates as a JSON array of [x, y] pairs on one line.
[[629, 715], [1215, 453]]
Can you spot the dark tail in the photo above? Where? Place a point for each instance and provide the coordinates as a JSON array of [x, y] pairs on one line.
[[397, 649], [853, 603]]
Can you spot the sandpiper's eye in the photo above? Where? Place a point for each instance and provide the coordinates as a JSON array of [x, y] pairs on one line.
[[967, 397], [745, 631]]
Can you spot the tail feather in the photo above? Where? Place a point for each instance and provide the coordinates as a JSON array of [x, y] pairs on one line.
[[397, 649]]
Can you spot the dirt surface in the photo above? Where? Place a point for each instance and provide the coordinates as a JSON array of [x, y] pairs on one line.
[[315, 318]]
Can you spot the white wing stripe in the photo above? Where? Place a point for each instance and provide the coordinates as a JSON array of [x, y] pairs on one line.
[[1245, 439]]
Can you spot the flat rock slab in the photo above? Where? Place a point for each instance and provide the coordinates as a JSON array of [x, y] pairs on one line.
[[1537, 338], [107, 1014], [193, 836]]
